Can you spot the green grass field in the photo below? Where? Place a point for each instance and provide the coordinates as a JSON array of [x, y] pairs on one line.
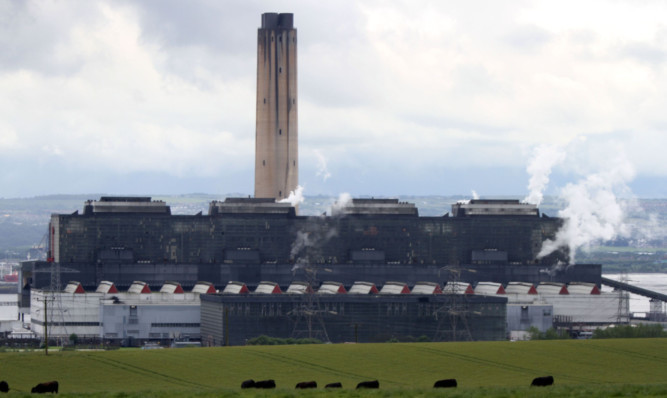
[[633, 367]]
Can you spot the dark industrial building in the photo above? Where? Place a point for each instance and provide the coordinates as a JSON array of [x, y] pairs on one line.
[[376, 240], [351, 317]]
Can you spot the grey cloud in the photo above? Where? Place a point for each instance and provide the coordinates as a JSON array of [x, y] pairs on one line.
[[32, 34], [645, 53], [528, 38]]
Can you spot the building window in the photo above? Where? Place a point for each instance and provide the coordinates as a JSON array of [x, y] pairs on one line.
[[280, 132], [263, 162], [280, 69], [265, 100]]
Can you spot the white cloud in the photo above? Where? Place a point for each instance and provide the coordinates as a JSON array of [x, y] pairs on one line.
[[384, 87]]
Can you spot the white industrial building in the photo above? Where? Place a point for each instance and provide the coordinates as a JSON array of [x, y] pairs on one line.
[[109, 314]]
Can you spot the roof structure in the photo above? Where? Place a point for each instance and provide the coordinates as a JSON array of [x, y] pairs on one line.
[[395, 288], [583, 288], [426, 288], [520, 288], [171, 287], [234, 287], [74, 287], [360, 287], [489, 288], [458, 288], [332, 288], [202, 287], [265, 287], [551, 288], [106, 287], [139, 287], [299, 288]]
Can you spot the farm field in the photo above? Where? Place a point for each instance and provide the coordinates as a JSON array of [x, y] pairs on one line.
[[632, 367]]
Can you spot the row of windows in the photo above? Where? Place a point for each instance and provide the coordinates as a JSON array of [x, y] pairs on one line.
[[175, 325]]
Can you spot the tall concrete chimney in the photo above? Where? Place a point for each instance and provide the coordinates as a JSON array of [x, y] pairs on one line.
[[276, 133]]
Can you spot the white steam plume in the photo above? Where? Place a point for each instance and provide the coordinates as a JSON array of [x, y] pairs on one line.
[[322, 170], [540, 165], [295, 197], [474, 195], [344, 199], [593, 211]]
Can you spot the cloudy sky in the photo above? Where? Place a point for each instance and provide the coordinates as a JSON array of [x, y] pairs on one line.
[[395, 97]]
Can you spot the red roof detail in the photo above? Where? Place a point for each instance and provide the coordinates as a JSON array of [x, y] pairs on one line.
[[405, 290], [145, 289], [374, 290], [437, 290], [595, 290], [532, 290], [276, 290], [501, 290], [563, 290], [79, 289], [469, 290]]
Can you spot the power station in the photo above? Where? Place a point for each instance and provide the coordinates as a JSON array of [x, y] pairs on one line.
[[262, 245]]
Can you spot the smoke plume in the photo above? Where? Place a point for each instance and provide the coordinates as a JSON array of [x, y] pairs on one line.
[[593, 213], [322, 170], [295, 197], [539, 168]]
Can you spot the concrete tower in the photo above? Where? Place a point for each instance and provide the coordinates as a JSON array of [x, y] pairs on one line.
[[276, 134]]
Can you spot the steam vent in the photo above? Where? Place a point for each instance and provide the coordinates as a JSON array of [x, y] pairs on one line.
[[276, 139]]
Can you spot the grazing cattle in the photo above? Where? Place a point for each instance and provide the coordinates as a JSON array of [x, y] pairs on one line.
[[542, 381], [4, 387], [306, 384], [248, 384], [334, 385], [49, 386], [369, 384], [445, 383], [265, 384]]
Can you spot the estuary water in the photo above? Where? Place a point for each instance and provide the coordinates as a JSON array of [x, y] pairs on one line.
[[655, 281]]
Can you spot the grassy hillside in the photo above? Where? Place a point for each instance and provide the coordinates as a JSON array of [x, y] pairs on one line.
[[480, 367]]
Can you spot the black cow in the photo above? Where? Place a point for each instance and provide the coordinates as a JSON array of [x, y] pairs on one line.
[[49, 386], [445, 383], [369, 384], [334, 385], [4, 387], [306, 384], [542, 381], [265, 384], [248, 384]]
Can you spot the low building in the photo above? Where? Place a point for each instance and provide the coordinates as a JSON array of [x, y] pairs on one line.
[[233, 319]]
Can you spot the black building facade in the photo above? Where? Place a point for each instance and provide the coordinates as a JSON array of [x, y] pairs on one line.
[[250, 240]]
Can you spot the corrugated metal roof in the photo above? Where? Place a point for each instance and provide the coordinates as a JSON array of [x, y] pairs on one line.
[[583, 288], [426, 288], [139, 287], [520, 288], [551, 288], [171, 287], [265, 287], [363, 288], [332, 288], [202, 287], [299, 288], [489, 288], [74, 287], [106, 287], [458, 288], [395, 288]]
